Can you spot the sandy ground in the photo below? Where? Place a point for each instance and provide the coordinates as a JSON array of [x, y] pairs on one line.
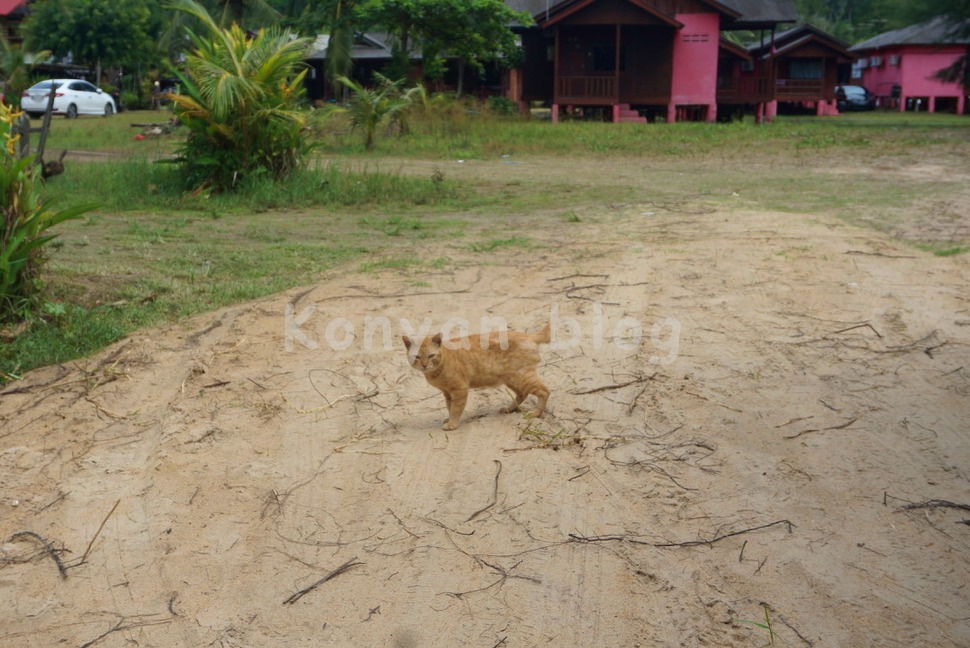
[[744, 404]]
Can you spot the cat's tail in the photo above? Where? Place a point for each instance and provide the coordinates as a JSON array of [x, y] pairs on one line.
[[544, 336]]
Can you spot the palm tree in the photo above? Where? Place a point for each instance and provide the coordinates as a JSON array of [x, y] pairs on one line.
[[369, 108], [241, 102], [15, 70]]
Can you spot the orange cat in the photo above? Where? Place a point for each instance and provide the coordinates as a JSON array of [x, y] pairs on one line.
[[461, 364]]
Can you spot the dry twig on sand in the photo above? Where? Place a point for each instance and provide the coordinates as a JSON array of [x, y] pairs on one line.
[[574, 537], [938, 503], [494, 494], [48, 548], [841, 426], [84, 557], [641, 378], [122, 625], [350, 564]]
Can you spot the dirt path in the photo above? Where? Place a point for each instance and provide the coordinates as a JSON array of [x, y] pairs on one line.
[[796, 382]]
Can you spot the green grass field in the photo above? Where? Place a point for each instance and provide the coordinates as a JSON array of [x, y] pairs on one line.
[[155, 252]]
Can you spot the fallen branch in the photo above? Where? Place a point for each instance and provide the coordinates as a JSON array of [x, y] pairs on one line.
[[593, 390], [690, 543], [96, 534], [938, 503], [337, 572], [121, 626], [858, 326], [834, 427], [48, 548], [494, 495]]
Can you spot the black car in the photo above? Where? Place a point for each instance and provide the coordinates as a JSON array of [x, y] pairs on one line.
[[853, 97]]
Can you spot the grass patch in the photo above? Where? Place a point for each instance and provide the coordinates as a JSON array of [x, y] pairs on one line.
[[390, 264], [154, 253], [138, 184], [952, 251], [494, 244], [944, 250]]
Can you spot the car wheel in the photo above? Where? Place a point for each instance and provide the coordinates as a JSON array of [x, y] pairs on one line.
[[108, 110], [71, 112]]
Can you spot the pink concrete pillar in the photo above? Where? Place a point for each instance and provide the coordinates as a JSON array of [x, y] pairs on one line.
[[759, 112], [711, 113], [771, 110], [555, 113], [616, 113], [961, 104], [671, 113], [931, 105]]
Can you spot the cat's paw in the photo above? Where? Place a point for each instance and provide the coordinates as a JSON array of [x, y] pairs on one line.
[[448, 425], [509, 409], [535, 414]]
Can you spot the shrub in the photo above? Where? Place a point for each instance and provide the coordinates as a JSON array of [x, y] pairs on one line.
[[26, 220], [242, 103]]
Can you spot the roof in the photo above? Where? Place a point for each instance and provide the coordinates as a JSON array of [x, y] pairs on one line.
[[734, 48], [753, 13], [761, 14], [791, 39], [366, 46], [938, 31], [8, 7]]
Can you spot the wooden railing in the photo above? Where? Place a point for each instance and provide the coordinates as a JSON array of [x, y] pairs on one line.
[[577, 88], [761, 89], [744, 90], [798, 88]]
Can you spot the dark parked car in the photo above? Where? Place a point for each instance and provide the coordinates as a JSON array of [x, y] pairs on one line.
[[853, 97]]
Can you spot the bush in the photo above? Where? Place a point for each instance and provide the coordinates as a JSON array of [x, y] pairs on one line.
[[26, 220], [502, 106], [242, 103]]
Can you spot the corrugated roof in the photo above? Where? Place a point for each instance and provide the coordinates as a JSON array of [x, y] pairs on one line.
[[938, 31]]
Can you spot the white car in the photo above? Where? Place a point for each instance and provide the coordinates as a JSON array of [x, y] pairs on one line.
[[72, 97]]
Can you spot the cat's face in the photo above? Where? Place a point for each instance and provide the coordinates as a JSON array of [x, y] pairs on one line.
[[426, 356]]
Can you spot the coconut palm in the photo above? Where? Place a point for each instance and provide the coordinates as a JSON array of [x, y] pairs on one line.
[[241, 100], [370, 107], [15, 70]]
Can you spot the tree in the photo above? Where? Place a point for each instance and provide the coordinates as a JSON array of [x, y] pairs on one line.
[[15, 70], [957, 12], [241, 102], [368, 108], [92, 32], [475, 31]]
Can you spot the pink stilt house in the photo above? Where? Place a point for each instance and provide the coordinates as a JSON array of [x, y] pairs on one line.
[[631, 60], [797, 67], [900, 67]]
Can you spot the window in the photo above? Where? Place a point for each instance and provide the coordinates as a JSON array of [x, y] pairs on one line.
[[806, 69]]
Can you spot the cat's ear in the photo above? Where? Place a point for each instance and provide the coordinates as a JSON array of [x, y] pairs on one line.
[[437, 339], [407, 341]]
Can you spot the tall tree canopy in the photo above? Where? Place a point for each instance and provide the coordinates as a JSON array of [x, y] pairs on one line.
[[473, 30], [94, 32], [856, 20]]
